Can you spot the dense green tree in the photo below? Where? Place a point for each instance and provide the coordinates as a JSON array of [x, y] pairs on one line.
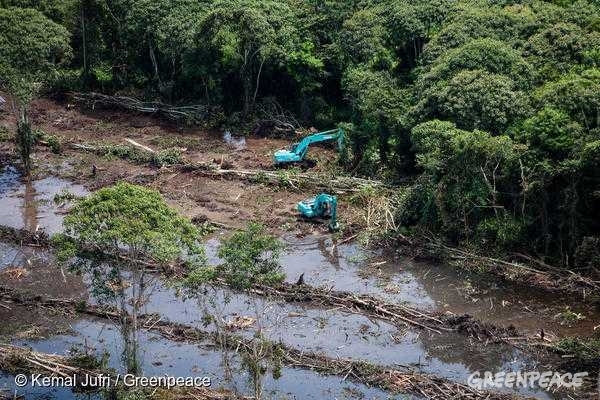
[[555, 50], [466, 176], [60, 11], [475, 100], [506, 24], [489, 55], [550, 131], [113, 235], [242, 39], [577, 94]]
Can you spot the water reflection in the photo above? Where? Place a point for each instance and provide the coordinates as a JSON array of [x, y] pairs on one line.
[[30, 204]]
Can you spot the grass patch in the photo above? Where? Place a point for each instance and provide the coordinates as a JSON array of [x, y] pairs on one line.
[[170, 156], [585, 351]]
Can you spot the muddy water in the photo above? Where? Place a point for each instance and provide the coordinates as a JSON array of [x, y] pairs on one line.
[[159, 357], [343, 267], [330, 331], [33, 269], [429, 286], [30, 204]]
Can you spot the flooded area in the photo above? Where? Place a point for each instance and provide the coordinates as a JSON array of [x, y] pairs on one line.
[[329, 331], [159, 356], [396, 279], [40, 204]]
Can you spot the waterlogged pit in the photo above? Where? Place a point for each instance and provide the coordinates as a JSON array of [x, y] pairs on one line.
[[348, 267], [305, 327], [33, 269], [330, 331], [336, 333]]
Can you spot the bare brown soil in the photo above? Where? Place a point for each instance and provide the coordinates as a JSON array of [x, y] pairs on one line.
[[228, 202]]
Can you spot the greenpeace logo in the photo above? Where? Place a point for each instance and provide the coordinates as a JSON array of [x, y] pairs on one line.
[[547, 380]]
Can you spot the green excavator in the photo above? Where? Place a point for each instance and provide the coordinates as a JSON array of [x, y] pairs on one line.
[[297, 151], [321, 206]]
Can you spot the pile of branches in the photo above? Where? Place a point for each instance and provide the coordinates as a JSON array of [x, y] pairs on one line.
[[22, 298], [385, 378], [396, 314], [189, 115], [24, 237], [519, 268], [15, 359], [293, 180], [274, 121], [389, 379]]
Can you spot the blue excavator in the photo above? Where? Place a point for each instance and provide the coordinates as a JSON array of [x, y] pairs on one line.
[[297, 151], [321, 206]]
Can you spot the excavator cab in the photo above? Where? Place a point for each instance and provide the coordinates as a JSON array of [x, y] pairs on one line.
[[321, 206]]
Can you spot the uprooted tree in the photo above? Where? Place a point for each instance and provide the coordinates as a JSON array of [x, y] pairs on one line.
[[115, 236]]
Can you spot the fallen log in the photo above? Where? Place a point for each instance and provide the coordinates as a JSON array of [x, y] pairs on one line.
[[16, 359], [196, 114], [140, 146], [385, 378]]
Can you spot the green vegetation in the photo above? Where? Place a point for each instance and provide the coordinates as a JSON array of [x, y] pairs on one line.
[[490, 108], [250, 256], [32, 47], [114, 236], [132, 224], [169, 156], [54, 144], [586, 351], [568, 316]]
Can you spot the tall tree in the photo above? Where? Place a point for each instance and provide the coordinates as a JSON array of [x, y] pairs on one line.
[[113, 235], [31, 49]]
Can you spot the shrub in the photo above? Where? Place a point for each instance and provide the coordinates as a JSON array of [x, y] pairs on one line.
[[250, 256]]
